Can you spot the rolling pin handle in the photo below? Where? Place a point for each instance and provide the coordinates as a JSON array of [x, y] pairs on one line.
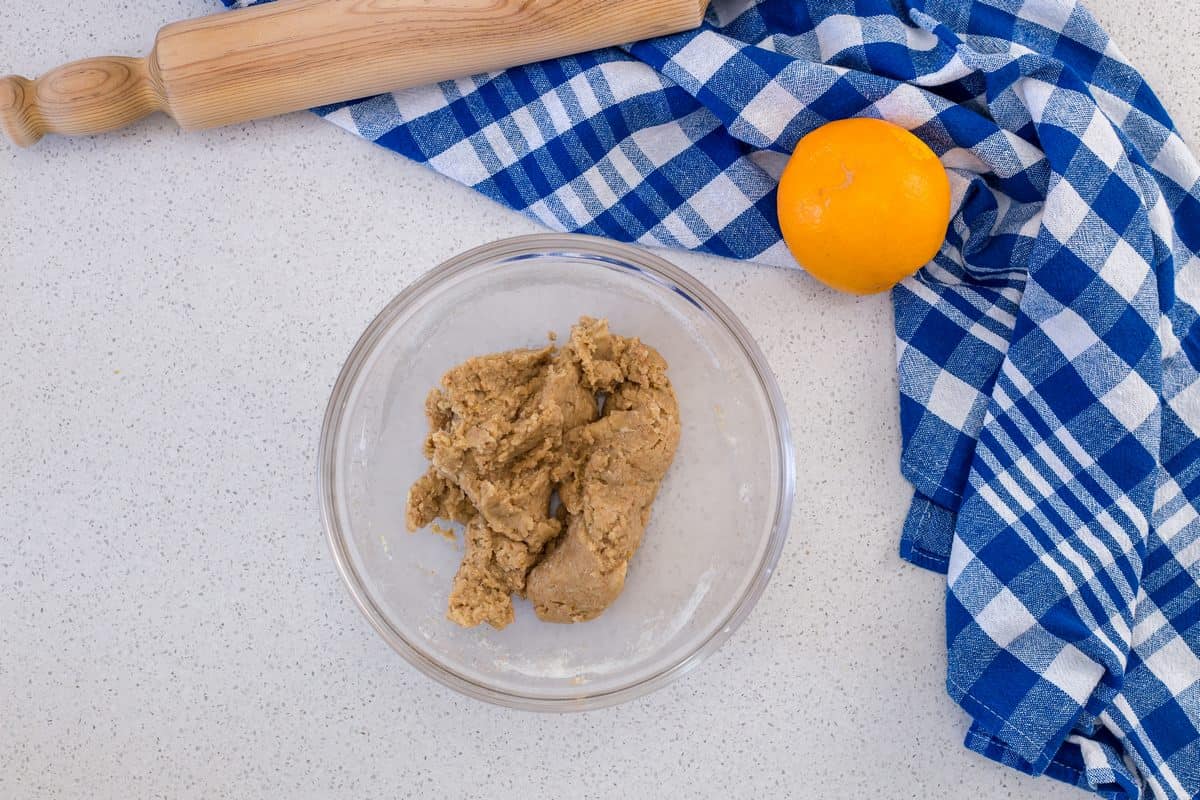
[[77, 99]]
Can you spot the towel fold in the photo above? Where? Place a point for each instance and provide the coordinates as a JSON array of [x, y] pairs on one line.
[[1049, 393]]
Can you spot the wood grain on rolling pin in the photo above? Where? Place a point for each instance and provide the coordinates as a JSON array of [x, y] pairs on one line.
[[287, 56], [294, 54], [89, 96]]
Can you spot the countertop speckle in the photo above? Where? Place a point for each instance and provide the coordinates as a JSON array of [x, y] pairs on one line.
[[175, 309]]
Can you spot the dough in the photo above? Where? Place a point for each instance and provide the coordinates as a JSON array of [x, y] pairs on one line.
[[509, 431]]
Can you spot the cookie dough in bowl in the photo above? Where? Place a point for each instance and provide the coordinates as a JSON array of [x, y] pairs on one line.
[[712, 532], [551, 457]]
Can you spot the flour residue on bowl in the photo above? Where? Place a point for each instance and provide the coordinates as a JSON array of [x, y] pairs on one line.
[[656, 629]]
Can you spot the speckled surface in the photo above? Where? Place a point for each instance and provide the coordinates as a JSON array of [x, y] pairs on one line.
[[175, 310]]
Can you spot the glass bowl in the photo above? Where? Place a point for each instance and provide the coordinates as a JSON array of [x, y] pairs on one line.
[[716, 529]]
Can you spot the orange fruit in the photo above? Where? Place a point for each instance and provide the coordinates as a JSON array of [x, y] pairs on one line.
[[863, 204]]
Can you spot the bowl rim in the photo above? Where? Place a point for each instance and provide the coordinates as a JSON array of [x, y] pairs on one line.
[[507, 250]]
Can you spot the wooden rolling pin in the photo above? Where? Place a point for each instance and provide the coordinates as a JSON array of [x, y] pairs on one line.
[[294, 54]]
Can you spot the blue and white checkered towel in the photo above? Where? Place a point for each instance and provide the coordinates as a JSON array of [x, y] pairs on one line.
[[1048, 356]]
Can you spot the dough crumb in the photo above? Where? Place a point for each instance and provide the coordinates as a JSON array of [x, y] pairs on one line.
[[443, 531], [594, 424]]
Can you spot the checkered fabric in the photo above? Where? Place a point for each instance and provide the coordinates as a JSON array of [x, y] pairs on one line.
[[1049, 393]]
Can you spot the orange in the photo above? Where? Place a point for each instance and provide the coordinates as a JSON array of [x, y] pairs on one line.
[[863, 204]]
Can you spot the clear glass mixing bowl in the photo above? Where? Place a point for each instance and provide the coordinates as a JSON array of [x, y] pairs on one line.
[[718, 524]]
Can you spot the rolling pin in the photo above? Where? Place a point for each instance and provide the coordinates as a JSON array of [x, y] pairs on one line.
[[293, 54]]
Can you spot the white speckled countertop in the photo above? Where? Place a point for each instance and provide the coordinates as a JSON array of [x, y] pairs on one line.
[[175, 309]]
